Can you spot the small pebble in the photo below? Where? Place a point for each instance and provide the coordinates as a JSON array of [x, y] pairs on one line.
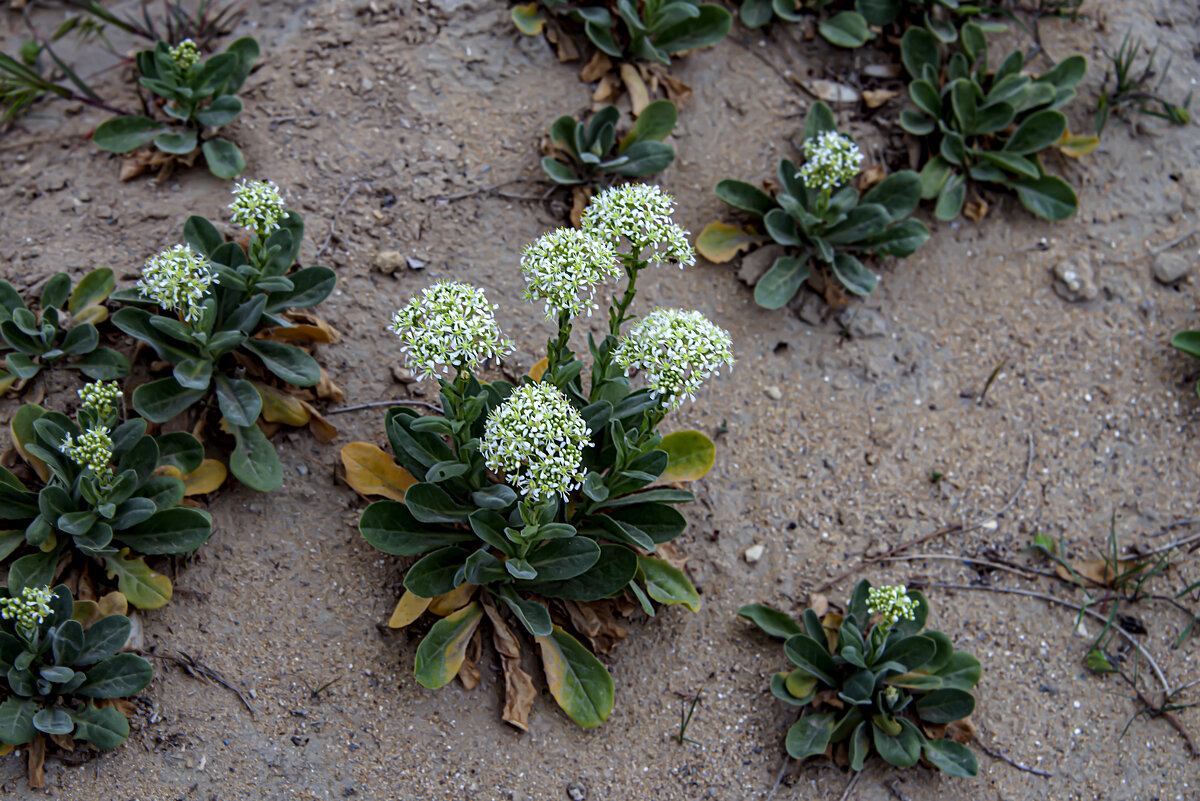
[[754, 553], [773, 392]]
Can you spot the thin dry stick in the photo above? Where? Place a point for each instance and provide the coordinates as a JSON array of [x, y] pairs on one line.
[[1174, 242], [957, 528], [490, 188], [1191, 521], [778, 779], [329, 236], [853, 783], [377, 404], [1003, 757], [1019, 571], [1175, 544], [198, 669]]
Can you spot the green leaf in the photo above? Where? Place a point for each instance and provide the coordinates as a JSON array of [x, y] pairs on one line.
[[104, 728], [238, 400], [35, 570], [772, 621], [690, 455], [534, 616], [1037, 132], [1049, 197], [161, 400], [102, 364], [1067, 73], [1188, 342], [945, 706], [16, 720], [654, 124], [899, 194], [901, 239], [173, 531], [811, 657], [143, 587], [529, 19], [254, 460], [746, 197], [286, 361], [902, 750], [51, 720], [429, 503], [194, 374], [123, 134], [201, 235], [436, 573], [912, 652], [311, 285], [809, 736], [442, 652], [853, 275], [918, 49], [710, 27], [755, 13], [644, 159], [667, 584], [92, 290], [781, 283], [390, 527], [847, 29], [223, 158], [177, 143], [246, 49], [562, 559], [612, 572], [1011, 162], [222, 111], [103, 639], [558, 172], [118, 676], [578, 681], [951, 758], [951, 198]]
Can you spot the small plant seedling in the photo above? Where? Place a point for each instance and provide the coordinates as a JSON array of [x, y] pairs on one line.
[[202, 26], [64, 327], [872, 679], [653, 30], [1188, 342], [686, 711], [103, 496], [57, 658], [205, 306], [638, 154], [988, 126], [853, 27], [1134, 91], [818, 214], [197, 94]]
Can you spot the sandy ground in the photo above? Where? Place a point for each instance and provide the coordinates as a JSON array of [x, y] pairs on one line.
[[370, 112]]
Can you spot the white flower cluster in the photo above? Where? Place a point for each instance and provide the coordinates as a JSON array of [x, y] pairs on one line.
[[449, 324], [642, 215], [178, 279], [29, 610], [92, 448], [892, 603], [830, 160], [564, 267], [100, 397], [257, 205], [536, 438], [185, 54], [677, 350]]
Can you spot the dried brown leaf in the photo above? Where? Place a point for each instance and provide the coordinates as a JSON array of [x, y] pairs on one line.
[[64, 741], [327, 390], [371, 471], [874, 98], [322, 430], [962, 731], [605, 91], [468, 671], [580, 195], [975, 209], [819, 603], [639, 95], [37, 762], [596, 68], [871, 176], [519, 692]]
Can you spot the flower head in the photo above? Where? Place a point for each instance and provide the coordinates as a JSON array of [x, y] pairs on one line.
[[257, 205], [830, 160], [449, 324], [564, 267], [29, 610], [92, 448], [642, 215], [178, 280], [100, 397], [677, 350], [892, 603], [185, 54], [536, 438]]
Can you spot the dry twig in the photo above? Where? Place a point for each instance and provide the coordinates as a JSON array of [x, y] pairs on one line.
[[1003, 757], [199, 670]]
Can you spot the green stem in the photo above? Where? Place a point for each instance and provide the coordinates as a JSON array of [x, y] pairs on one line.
[[555, 348]]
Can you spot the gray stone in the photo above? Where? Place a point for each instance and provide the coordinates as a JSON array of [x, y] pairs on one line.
[[388, 261], [1073, 280], [811, 308], [756, 264], [1171, 268], [863, 323]]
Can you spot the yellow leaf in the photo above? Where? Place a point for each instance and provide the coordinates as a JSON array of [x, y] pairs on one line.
[[639, 95], [6, 381], [114, 603], [90, 314], [407, 610], [538, 370], [719, 242], [528, 19], [279, 407], [372, 472], [204, 479], [690, 455], [456, 599], [1075, 145], [84, 612], [6, 749]]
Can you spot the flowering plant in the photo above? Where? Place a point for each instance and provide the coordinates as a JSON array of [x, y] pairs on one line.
[[65, 326], [873, 677], [532, 504], [57, 658], [197, 94], [817, 212], [216, 310], [107, 494]]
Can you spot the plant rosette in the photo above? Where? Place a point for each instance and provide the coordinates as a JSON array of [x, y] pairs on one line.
[[100, 492], [874, 678], [593, 151], [856, 23], [653, 30], [65, 675], [545, 505], [989, 127], [64, 327], [221, 315], [819, 215], [197, 94]]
